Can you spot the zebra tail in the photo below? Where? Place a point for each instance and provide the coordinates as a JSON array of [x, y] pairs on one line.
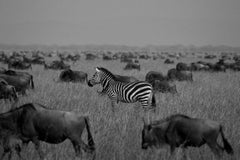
[[153, 101]]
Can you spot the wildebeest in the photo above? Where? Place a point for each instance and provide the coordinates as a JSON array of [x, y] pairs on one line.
[[20, 80], [210, 56], [164, 86], [130, 66], [2, 70], [125, 79], [10, 142], [36, 60], [182, 131], [183, 66], [127, 58], [199, 67], [7, 91], [56, 65], [153, 75], [19, 65], [69, 75], [217, 67], [34, 122], [174, 74], [90, 56], [168, 61], [107, 57]]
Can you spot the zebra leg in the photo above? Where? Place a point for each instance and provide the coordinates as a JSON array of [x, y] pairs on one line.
[[114, 99]]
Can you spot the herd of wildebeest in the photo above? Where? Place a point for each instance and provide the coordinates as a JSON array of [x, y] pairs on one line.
[[35, 122]]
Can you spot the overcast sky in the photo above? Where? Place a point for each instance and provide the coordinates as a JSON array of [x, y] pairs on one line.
[[120, 22]]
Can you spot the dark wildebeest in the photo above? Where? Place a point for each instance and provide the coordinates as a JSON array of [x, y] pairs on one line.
[[90, 56], [182, 131], [2, 70], [20, 80], [183, 66], [210, 56], [168, 61], [34, 122], [199, 67], [130, 66], [164, 86], [10, 142], [217, 68], [173, 74], [56, 65], [7, 91], [19, 65], [69, 75], [153, 75], [125, 79], [37, 60]]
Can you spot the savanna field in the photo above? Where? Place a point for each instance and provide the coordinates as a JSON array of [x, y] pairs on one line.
[[211, 95]]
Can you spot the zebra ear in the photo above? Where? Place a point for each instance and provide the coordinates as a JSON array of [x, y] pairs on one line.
[[97, 69]]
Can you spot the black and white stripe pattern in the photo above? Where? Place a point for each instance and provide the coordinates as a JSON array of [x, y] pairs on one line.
[[139, 91]]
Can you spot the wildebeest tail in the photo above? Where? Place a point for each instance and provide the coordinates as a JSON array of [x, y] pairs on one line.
[[90, 138], [226, 144], [31, 81]]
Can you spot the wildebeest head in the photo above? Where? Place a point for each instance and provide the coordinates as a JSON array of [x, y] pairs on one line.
[[7, 91], [147, 137], [152, 136]]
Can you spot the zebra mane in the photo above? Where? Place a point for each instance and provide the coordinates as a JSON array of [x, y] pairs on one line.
[[107, 72]]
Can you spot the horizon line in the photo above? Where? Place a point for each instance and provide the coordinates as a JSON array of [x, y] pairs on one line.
[[139, 46]]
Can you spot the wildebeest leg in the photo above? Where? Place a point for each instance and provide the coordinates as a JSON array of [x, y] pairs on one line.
[[10, 155], [185, 154], [24, 146], [216, 149], [85, 147], [18, 151], [23, 92], [171, 136], [77, 149], [3, 155], [172, 154], [38, 148]]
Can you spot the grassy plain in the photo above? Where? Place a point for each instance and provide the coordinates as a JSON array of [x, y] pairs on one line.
[[118, 137]]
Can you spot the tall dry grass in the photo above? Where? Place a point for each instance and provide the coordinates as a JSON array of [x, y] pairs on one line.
[[211, 95]]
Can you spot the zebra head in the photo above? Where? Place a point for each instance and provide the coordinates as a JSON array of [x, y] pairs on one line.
[[96, 79]]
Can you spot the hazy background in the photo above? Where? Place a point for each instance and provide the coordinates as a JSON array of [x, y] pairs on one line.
[[120, 22]]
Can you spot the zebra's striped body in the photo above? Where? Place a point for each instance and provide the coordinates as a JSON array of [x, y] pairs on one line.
[[140, 91]]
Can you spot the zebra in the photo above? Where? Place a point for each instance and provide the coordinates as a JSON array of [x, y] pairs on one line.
[[131, 92]]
